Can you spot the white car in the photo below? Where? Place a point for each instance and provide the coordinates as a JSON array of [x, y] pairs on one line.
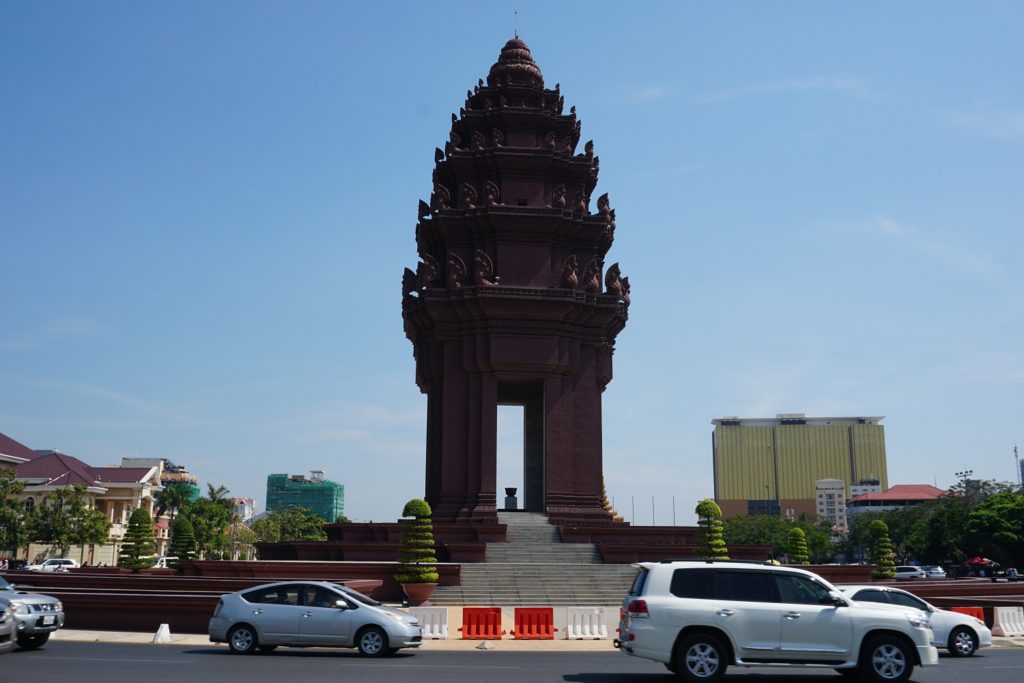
[[961, 634], [698, 617], [910, 572], [934, 572], [59, 564]]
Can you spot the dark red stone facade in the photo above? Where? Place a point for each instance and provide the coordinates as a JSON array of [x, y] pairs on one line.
[[511, 302]]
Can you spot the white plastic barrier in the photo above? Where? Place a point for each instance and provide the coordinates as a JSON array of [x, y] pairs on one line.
[[1008, 621], [433, 621], [585, 623]]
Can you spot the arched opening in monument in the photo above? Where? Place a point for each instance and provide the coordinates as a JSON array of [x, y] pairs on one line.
[[529, 396]]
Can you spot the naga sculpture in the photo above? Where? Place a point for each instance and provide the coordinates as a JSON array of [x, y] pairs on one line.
[[456, 270], [483, 269]]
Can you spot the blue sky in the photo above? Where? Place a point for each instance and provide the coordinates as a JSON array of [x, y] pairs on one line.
[[205, 211]]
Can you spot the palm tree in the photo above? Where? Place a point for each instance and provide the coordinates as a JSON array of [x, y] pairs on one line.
[[217, 494], [171, 498]]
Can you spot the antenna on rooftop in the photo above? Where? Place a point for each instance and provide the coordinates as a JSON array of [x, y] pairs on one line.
[[515, 22]]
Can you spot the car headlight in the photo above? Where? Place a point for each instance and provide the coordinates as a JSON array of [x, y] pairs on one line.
[[919, 621], [979, 622], [20, 607]]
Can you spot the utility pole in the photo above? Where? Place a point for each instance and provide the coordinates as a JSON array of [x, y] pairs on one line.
[[1020, 473]]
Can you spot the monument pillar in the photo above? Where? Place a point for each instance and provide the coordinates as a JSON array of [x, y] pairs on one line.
[[511, 302]]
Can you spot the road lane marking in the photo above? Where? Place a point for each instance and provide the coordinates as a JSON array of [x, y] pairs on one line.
[[112, 659]]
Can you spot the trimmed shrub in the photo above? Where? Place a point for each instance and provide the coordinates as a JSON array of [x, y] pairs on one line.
[[710, 534], [183, 540], [880, 553], [797, 546], [139, 545], [418, 563]]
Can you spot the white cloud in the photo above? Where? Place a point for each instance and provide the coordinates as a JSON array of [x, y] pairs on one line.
[[650, 93], [55, 331], [990, 122], [954, 256], [846, 86]]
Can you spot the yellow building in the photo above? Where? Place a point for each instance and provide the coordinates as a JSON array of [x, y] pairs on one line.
[[770, 465]]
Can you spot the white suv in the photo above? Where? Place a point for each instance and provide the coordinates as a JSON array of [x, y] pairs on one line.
[[698, 617], [59, 564]]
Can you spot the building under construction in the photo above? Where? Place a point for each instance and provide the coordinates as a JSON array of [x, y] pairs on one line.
[[325, 498]]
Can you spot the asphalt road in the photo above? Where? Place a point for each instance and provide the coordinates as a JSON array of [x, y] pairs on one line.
[[113, 663]]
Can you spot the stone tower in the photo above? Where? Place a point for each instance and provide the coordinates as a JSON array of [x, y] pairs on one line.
[[511, 302]]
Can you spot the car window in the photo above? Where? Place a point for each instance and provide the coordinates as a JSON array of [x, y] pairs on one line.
[[274, 595], [693, 583], [359, 597], [800, 590], [745, 586], [907, 600], [871, 595], [318, 596], [638, 582]]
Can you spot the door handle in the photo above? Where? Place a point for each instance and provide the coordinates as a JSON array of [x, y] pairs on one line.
[[725, 612], [257, 611], [307, 615], [792, 615]]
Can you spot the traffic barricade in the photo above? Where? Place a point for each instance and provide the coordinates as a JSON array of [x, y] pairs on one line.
[[481, 623], [433, 621], [976, 612], [534, 623], [585, 623], [1008, 621]]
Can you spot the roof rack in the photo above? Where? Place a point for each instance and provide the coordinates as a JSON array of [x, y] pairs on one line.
[[707, 561]]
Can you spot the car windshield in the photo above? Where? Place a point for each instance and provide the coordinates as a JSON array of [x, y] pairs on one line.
[[359, 597], [4, 586]]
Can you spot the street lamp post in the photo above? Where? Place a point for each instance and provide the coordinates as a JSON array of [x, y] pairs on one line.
[[965, 475], [771, 530]]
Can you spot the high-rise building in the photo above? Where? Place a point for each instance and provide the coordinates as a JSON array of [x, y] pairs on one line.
[[766, 465], [830, 495], [323, 497]]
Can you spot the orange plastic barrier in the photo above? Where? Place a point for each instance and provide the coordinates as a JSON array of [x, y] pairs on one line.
[[535, 623], [481, 623], [976, 612]]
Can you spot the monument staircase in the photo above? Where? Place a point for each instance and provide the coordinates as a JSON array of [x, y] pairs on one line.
[[534, 568]]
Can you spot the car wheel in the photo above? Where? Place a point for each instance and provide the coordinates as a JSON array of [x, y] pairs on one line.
[[886, 659], [242, 639], [700, 657], [26, 642], [372, 642], [268, 648], [962, 642]]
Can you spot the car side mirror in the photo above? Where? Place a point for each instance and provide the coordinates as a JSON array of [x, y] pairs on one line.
[[837, 599], [341, 604]]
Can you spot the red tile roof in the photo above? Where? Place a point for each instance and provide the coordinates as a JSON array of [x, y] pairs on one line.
[[902, 492], [58, 469], [9, 446], [129, 475]]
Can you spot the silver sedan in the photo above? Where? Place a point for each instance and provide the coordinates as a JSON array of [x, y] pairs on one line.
[[311, 614]]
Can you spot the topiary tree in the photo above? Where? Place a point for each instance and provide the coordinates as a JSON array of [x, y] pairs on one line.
[[139, 544], [417, 562], [183, 540], [797, 546], [710, 535], [880, 550]]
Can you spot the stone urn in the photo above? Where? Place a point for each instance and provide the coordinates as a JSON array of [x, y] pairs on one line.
[[418, 593]]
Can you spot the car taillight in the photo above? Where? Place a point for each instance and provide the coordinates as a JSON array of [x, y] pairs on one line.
[[216, 611], [638, 608]]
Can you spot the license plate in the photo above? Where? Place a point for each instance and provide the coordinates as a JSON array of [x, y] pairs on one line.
[[48, 620]]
